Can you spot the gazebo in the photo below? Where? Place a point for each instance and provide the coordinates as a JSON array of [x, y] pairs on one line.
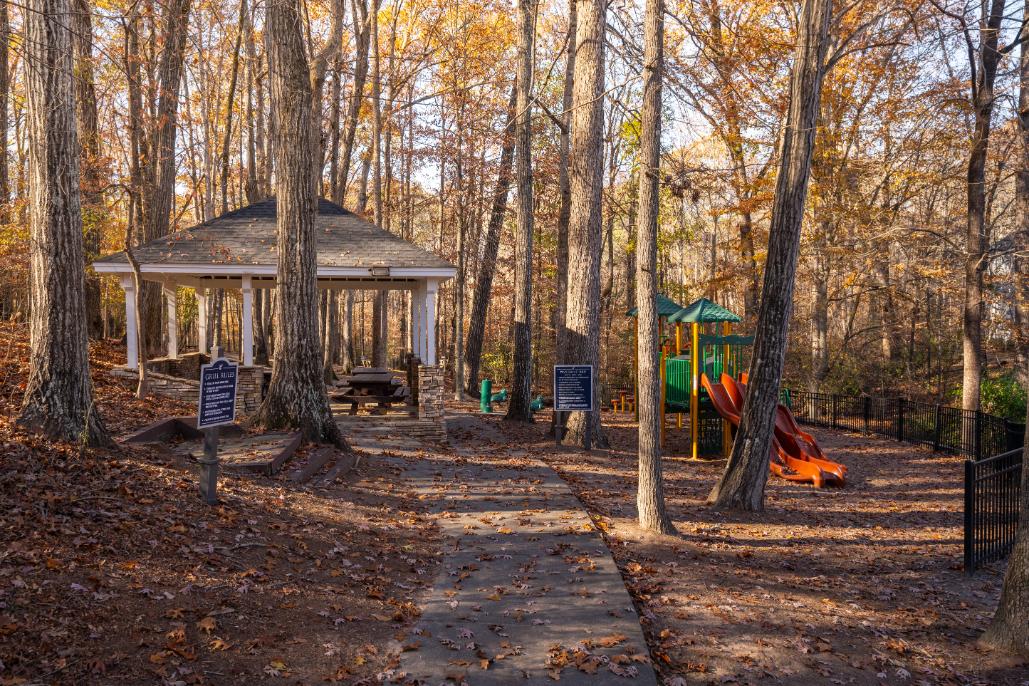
[[238, 250]]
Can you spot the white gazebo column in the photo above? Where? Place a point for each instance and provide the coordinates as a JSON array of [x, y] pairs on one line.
[[248, 322], [430, 322], [173, 319], [202, 320], [131, 332]]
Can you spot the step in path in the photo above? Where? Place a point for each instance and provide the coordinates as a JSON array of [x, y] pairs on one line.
[[528, 592]]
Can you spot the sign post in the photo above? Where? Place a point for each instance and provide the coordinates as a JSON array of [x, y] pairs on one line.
[[573, 392], [217, 407]]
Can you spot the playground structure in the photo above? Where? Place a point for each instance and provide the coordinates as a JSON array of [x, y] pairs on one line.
[[712, 352], [719, 351]]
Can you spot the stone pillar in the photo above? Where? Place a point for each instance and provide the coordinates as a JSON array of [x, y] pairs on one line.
[[248, 389], [202, 346], [171, 301], [430, 393], [248, 322], [131, 332]]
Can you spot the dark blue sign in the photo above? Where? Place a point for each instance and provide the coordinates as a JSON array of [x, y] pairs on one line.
[[573, 388], [217, 393]]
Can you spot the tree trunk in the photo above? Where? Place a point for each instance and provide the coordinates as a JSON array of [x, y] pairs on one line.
[[58, 393], [650, 498], [820, 310], [565, 190], [91, 162], [262, 301], [362, 30], [233, 78], [586, 164], [330, 347], [347, 360], [487, 265], [158, 169], [379, 337], [521, 383], [976, 259], [5, 96], [296, 396], [742, 486]]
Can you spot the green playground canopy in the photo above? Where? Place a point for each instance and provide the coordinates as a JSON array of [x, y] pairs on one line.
[[703, 311], [666, 307]]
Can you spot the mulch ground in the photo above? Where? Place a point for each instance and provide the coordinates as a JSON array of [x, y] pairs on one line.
[[112, 570], [855, 586]]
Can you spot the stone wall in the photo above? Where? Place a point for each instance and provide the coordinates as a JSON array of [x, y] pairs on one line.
[[249, 386], [430, 396]]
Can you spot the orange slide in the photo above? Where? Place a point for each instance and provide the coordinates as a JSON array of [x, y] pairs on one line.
[[794, 456], [793, 439]]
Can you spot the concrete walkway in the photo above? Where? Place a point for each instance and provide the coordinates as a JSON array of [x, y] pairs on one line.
[[528, 591]]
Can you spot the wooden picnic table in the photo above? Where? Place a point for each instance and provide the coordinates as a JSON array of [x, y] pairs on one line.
[[370, 386]]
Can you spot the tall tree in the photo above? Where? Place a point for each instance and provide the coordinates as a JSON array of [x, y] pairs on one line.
[[650, 498], [92, 168], [5, 95], [985, 58], [586, 163], [296, 395], [564, 188], [1009, 629], [157, 168], [483, 293], [521, 386], [742, 486], [58, 394], [379, 337]]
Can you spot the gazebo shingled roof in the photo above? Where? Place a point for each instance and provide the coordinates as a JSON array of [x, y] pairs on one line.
[[247, 237]]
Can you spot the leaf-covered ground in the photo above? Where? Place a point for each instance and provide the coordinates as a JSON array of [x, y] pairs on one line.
[[113, 572], [855, 586]]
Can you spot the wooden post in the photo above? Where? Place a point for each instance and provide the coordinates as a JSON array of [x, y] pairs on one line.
[[695, 389], [664, 395], [726, 429]]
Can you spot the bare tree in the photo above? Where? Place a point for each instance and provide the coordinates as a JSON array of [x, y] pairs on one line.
[[521, 385], [296, 396], [487, 264], [650, 498], [742, 486], [586, 163], [59, 393]]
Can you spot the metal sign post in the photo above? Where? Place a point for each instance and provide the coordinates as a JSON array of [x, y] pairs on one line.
[[217, 407], [573, 392]]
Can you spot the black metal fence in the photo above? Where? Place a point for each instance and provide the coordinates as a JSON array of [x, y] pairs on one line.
[[993, 490], [993, 446]]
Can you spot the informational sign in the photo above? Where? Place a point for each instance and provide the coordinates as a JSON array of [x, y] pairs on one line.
[[217, 393], [573, 388]]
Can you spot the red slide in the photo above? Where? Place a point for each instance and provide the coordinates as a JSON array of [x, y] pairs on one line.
[[794, 440], [780, 462]]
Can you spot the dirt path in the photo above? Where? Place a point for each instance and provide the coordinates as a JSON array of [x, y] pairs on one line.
[[528, 592]]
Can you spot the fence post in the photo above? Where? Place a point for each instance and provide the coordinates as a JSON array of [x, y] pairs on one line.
[[937, 429], [969, 516], [868, 413], [900, 419], [977, 436], [832, 409]]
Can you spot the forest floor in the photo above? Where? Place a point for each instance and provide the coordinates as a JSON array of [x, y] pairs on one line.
[[861, 585], [112, 571]]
